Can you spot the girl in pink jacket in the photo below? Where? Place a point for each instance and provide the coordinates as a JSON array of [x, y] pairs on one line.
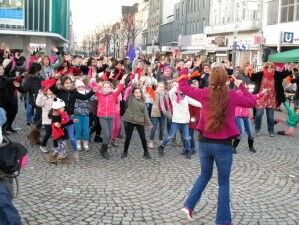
[[106, 111]]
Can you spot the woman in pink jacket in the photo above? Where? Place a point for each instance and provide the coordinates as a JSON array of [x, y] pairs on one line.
[[106, 111], [217, 129]]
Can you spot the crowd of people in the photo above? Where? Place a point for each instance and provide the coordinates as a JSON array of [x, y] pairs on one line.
[[72, 97]]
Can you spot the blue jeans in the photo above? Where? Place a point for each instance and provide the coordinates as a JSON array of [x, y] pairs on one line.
[[3, 118], [29, 110], [222, 155], [161, 122], [270, 119], [82, 127], [184, 128], [192, 142], [297, 102], [244, 124], [71, 135], [8, 213]]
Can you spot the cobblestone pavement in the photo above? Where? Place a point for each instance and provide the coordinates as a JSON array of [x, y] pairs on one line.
[[264, 186]]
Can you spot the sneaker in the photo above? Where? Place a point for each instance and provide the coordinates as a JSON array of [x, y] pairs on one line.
[[43, 149], [193, 152], [79, 145], [257, 133], [187, 212], [271, 134], [85, 145], [76, 156], [151, 144]]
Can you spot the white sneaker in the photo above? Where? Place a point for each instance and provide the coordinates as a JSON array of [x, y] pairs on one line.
[[43, 149], [76, 156], [151, 144], [79, 146], [85, 145]]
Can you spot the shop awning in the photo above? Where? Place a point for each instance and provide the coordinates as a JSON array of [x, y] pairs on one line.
[[285, 57]]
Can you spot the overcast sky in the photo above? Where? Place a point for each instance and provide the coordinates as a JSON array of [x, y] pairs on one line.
[[88, 14]]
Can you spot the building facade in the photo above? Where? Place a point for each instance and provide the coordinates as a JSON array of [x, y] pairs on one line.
[[46, 23], [280, 26], [154, 22]]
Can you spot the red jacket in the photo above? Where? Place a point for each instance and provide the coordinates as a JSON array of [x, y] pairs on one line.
[[106, 103], [194, 116]]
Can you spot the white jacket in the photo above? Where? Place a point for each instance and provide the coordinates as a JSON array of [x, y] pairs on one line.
[[181, 112], [46, 104]]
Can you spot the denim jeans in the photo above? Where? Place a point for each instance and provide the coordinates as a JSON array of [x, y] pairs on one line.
[[184, 128], [244, 124], [270, 119], [8, 213], [82, 127], [149, 107], [29, 110], [222, 155], [161, 122], [192, 143], [3, 118], [71, 135]]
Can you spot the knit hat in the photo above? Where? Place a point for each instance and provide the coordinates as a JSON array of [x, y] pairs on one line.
[[6, 62], [79, 83], [58, 103]]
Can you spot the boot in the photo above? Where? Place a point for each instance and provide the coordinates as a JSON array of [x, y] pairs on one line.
[[146, 155], [104, 152], [281, 132], [124, 155], [235, 145], [161, 150], [250, 144]]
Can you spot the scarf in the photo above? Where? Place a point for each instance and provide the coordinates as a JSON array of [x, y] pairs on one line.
[[106, 92], [269, 76]]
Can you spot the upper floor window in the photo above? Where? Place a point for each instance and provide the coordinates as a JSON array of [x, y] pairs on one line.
[[289, 11]]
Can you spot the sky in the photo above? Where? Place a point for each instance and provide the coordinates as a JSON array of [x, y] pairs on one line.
[[88, 14]]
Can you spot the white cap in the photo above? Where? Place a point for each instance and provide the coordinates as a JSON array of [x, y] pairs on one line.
[[58, 103], [79, 83], [6, 63]]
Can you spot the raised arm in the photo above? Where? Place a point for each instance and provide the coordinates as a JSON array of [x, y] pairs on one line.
[[246, 99], [195, 93]]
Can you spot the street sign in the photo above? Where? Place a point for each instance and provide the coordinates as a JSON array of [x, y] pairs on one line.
[[287, 37]]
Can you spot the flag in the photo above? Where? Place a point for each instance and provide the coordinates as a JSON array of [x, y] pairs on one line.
[[131, 53]]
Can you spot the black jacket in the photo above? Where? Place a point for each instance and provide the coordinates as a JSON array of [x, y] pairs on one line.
[[257, 78], [31, 86], [6, 90], [69, 97]]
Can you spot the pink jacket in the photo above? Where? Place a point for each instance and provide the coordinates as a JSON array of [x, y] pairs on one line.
[[229, 130], [240, 111], [106, 103]]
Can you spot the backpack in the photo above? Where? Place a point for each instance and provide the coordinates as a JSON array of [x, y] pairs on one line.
[[12, 157]]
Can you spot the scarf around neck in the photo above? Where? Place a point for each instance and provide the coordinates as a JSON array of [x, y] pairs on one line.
[[268, 75]]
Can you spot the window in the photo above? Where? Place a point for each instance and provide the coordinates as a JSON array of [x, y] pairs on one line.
[[289, 11]]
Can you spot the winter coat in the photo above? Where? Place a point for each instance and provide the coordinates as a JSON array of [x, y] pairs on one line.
[[5, 94], [136, 112], [82, 107], [69, 97], [156, 108], [230, 129], [106, 103], [180, 109], [31, 86], [46, 104], [257, 78]]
